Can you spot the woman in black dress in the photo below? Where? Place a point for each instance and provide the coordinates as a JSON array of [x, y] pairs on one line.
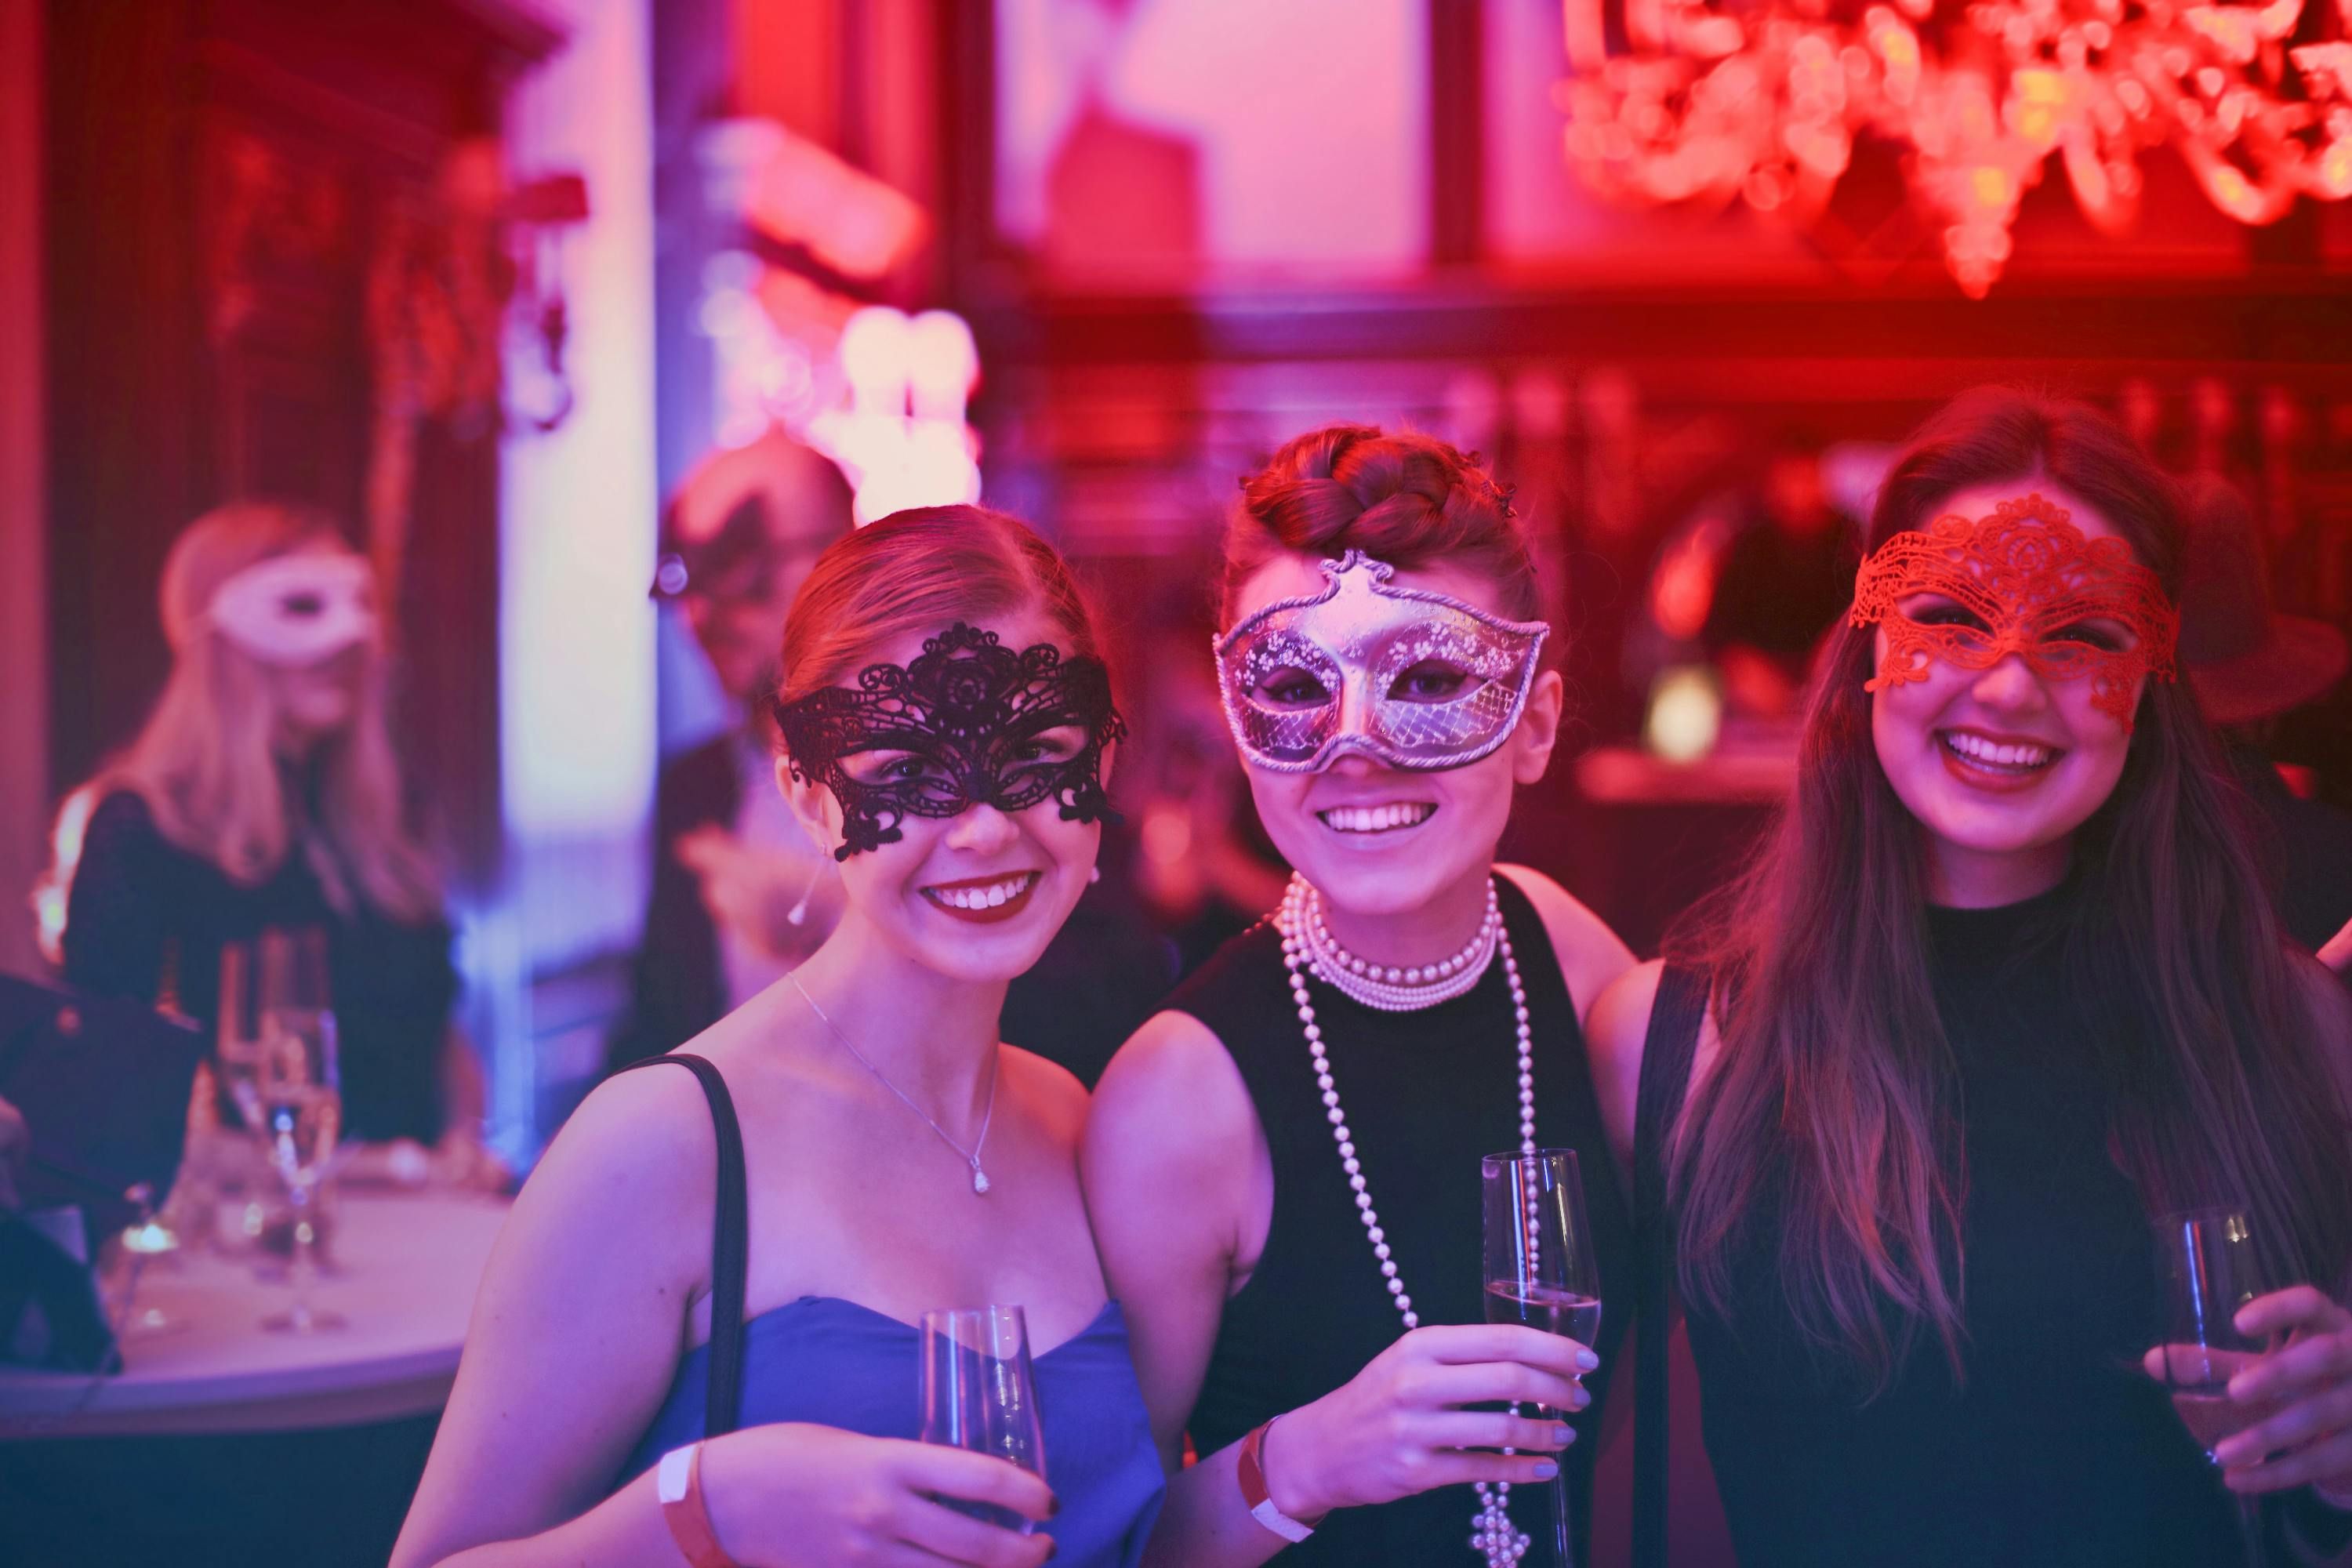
[[2003, 986], [1283, 1168], [262, 795]]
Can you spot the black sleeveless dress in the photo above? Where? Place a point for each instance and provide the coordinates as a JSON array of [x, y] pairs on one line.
[[1427, 1093], [2056, 1448]]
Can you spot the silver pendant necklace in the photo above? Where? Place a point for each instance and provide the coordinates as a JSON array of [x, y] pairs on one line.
[[1492, 1534], [971, 1156]]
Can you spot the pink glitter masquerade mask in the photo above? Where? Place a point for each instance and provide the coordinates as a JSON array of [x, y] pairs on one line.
[[1409, 677], [297, 609], [2024, 581]]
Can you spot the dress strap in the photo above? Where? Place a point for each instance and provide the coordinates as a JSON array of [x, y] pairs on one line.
[[1666, 1056], [730, 1247]]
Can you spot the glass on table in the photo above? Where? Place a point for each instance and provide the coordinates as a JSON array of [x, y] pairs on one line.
[[2210, 1268], [1539, 1267], [297, 1084], [980, 1392]]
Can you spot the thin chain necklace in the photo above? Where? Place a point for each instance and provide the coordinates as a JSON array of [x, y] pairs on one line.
[[1491, 1531], [970, 1155]]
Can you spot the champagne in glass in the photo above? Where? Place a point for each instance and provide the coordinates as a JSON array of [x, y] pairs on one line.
[[1539, 1267], [980, 1392], [299, 1084], [2210, 1269]]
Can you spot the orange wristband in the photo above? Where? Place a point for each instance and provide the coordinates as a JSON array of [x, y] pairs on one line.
[[1251, 1471], [678, 1484]]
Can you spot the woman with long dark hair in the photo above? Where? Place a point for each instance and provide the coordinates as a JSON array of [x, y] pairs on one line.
[[2003, 986], [1283, 1168]]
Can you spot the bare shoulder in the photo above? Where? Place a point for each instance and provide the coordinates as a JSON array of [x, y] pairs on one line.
[[1615, 1036], [1171, 1108], [1591, 954], [1175, 1073], [637, 1155], [1050, 1092]]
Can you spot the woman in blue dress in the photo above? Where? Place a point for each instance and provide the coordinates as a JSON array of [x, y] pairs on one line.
[[945, 717]]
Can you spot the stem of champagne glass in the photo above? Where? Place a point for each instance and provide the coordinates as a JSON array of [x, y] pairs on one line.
[[305, 1270], [2250, 1530], [1563, 1553]]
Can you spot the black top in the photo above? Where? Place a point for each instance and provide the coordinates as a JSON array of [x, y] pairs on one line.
[[141, 906], [1427, 1094], [2058, 1449]]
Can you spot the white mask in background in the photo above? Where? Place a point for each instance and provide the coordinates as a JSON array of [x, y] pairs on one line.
[[297, 609]]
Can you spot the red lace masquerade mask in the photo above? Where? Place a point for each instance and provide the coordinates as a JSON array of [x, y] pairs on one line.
[[2022, 581]]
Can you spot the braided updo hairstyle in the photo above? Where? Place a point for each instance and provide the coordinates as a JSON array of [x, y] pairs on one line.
[[1406, 498]]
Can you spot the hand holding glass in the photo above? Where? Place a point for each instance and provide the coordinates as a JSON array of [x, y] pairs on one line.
[[980, 1392], [2210, 1269], [1541, 1270]]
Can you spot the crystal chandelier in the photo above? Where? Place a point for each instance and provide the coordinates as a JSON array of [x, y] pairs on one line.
[[1676, 100]]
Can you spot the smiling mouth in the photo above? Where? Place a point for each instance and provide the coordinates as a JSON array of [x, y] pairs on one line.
[[1377, 818], [984, 896], [2016, 759]]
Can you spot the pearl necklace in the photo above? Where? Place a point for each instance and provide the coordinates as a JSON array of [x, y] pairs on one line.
[[1491, 1531], [1387, 987]]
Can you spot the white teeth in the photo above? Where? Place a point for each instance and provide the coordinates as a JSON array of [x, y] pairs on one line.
[[995, 895], [1376, 818], [1978, 750]]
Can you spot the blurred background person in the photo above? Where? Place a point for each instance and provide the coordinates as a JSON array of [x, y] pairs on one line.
[[2250, 665], [739, 896], [262, 793], [1784, 580]]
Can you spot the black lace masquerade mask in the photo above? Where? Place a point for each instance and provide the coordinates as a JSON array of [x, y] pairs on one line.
[[974, 719]]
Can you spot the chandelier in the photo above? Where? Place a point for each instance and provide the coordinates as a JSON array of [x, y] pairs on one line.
[[1676, 100]]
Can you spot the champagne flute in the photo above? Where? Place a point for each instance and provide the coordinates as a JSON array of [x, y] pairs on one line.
[[2210, 1269], [299, 1087], [1540, 1271], [980, 1392]]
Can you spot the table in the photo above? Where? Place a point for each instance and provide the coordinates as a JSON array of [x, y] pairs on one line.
[[407, 1267], [225, 1443]]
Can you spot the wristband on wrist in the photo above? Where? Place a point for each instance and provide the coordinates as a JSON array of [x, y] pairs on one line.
[[1255, 1495], [678, 1482]]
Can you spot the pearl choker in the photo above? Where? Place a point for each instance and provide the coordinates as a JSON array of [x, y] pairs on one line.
[[1388, 987], [1298, 920]]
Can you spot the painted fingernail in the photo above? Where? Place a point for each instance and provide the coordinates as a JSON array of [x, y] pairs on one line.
[[1585, 1360], [1563, 1434], [1546, 1469]]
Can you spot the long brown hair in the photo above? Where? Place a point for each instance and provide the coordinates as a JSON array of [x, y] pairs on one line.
[[1835, 1089], [204, 762], [1404, 497]]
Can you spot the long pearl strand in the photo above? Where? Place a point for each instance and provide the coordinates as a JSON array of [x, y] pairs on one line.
[[1491, 1531]]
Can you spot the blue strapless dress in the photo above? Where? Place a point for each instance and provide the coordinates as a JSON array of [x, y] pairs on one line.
[[834, 1363]]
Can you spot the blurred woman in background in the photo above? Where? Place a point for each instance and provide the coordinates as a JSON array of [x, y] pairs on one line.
[[263, 794], [1284, 1167], [2004, 986]]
